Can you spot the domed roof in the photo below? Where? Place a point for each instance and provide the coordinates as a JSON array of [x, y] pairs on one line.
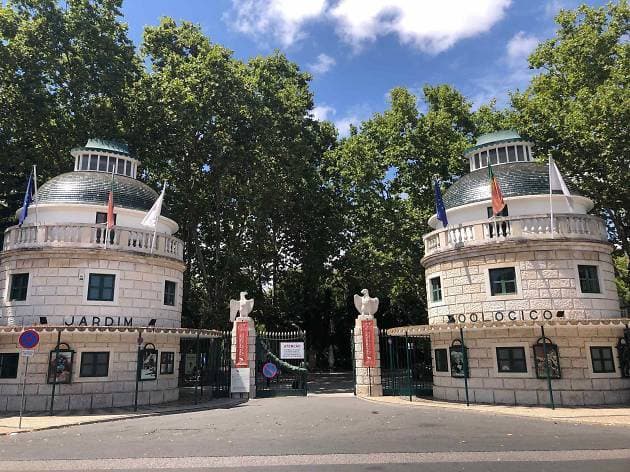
[[110, 145], [503, 136], [515, 179], [91, 188]]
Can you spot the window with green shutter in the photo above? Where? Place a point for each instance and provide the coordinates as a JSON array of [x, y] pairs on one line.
[[101, 287], [589, 282], [436, 289], [19, 287], [502, 281]]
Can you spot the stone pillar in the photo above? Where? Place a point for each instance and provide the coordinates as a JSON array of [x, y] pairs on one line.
[[251, 354], [368, 380]]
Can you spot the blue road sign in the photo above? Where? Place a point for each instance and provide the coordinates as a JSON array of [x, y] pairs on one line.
[[270, 370], [28, 339]]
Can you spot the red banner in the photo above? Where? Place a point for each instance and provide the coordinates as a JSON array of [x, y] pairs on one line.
[[242, 344], [369, 351]]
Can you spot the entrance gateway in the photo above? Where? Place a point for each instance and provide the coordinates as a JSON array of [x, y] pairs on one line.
[[281, 364]]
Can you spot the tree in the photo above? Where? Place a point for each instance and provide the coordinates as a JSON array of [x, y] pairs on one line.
[[64, 74], [577, 109]]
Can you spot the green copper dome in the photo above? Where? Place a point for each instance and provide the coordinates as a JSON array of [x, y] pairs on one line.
[[503, 136], [91, 188], [108, 145]]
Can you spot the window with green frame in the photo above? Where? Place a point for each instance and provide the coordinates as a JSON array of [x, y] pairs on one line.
[[101, 287], [502, 281], [441, 360], [602, 359], [19, 287], [169, 292], [511, 359], [436, 289], [589, 282]]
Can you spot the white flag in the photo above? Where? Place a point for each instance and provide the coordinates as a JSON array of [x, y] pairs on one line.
[[151, 218], [556, 182]]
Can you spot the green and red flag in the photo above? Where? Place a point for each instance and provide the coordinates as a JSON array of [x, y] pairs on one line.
[[497, 197]]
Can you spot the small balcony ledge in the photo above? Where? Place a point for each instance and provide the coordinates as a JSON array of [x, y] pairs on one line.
[[92, 237], [531, 227]]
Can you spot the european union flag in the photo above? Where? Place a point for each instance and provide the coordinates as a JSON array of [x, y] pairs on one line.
[[28, 199], [439, 205]]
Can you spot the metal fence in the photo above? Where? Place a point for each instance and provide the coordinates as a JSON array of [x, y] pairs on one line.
[[275, 375], [406, 365]]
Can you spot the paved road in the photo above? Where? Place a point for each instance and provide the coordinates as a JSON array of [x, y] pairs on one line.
[[323, 433]]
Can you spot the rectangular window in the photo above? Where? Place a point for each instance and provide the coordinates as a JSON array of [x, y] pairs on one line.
[[511, 359], [436, 289], [102, 163], [170, 289], [484, 159], [441, 360], [502, 281], [111, 164], [520, 154], [502, 155], [167, 362], [602, 359], [9, 365], [19, 287], [101, 287], [493, 156], [121, 167], [589, 283], [93, 162], [476, 161], [85, 161], [528, 153], [94, 364], [511, 154]]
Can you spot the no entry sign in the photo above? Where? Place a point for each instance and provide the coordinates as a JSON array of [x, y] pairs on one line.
[[29, 339]]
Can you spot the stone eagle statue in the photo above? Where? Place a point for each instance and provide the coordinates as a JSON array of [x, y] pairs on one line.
[[243, 307], [366, 305]]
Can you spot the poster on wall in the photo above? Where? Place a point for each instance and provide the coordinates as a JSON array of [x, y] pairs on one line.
[[292, 350], [457, 362], [148, 364], [242, 346], [369, 351], [553, 358], [60, 367]]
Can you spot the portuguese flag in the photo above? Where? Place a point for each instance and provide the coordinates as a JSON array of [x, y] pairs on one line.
[[497, 197]]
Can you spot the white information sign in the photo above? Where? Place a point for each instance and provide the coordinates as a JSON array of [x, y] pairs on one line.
[[27, 352], [292, 350], [240, 380]]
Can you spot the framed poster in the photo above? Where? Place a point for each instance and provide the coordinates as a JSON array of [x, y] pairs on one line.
[[242, 344], [148, 364], [552, 357], [458, 366], [60, 366], [367, 333], [292, 350]]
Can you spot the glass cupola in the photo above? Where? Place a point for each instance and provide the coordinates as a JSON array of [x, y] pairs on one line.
[[502, 147], [100, 155]]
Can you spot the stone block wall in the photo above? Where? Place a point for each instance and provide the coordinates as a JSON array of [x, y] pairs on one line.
[[117, 389], [368, 380], [546, 278], [58, 281], [577, 386], [251, 353]]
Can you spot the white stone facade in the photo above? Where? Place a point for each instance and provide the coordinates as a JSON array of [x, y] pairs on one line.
[[546, 279], [578, 385], [114, 390], [58, 281]]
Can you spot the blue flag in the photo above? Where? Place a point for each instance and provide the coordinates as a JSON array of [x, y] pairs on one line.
[[28, 199], [439, 205]]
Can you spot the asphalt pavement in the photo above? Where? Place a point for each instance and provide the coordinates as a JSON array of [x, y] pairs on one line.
[[323, 433]]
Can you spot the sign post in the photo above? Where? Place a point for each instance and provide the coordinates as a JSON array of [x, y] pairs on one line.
[[28, 340]]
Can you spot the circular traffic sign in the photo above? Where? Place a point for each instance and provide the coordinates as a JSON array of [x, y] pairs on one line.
[[29, 339], [270, 370]]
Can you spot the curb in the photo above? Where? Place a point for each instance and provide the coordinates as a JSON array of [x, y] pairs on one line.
[[127, 417], [461, 406]]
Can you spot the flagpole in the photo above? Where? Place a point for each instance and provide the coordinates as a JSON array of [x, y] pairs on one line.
[[550, 197], [157, 221], [36, 195]]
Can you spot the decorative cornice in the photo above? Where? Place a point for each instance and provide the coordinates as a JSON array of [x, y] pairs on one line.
[[205, 333]]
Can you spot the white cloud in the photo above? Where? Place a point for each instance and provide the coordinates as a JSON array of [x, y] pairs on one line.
[[343, 124], [519, 47], [429, 25], [282, 19], [323, 64], [323, 112]]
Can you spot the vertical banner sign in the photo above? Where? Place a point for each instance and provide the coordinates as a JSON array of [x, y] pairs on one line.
[[242, 344], [369, 354]]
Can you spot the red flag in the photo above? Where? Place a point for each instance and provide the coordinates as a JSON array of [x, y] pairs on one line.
[[497, 197], [110, 206]]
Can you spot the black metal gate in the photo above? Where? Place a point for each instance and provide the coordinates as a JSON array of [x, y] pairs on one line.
[[204, 366], [406, 367], [276, 376]]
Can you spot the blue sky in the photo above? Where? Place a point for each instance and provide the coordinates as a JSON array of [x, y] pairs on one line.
[[358, 50]]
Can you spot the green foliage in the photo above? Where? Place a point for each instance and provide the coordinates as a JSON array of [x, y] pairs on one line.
[[578, 108], [64, 74]]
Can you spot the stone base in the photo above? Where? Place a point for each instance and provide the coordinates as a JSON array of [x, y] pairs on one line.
[[369, 391]]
